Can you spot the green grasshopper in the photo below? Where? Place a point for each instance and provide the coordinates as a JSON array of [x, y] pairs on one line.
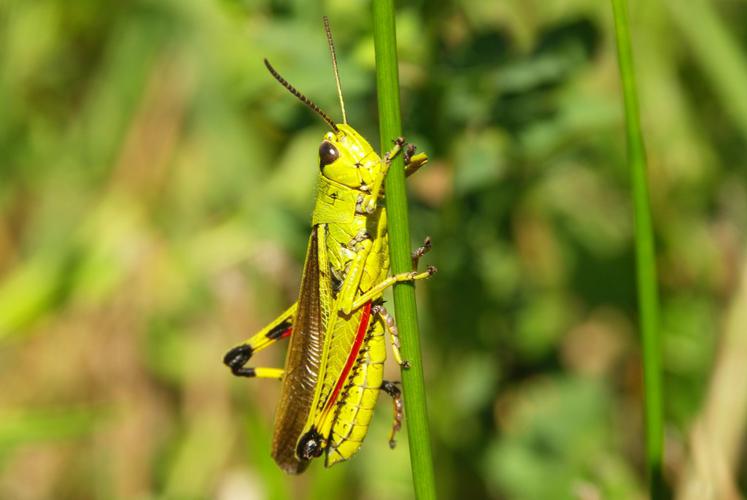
[[334, 367]]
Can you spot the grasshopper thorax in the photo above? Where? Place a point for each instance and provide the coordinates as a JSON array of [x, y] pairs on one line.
[[346, 158]]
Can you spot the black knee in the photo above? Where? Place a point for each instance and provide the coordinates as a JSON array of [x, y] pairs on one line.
[[236, 358]]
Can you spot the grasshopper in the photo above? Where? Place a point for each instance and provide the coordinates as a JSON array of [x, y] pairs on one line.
[[334, 366]]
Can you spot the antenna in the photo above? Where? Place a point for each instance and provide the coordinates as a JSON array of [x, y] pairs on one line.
[[334, 66], [300, 96]]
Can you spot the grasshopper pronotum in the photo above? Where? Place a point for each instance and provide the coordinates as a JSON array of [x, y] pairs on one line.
[[334, 367]]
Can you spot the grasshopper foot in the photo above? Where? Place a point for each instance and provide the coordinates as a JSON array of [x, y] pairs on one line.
[[409, 153], [420, 251], [398, 143]]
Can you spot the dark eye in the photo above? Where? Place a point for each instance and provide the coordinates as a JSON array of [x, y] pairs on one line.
[[327, 154]]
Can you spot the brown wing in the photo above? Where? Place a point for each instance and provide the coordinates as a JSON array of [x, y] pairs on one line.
[[301, 366]]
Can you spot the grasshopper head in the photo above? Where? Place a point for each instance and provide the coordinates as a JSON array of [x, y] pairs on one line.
[[347, 158], [344, 156]]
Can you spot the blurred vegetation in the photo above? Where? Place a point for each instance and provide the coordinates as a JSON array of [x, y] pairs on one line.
[[155, 194]]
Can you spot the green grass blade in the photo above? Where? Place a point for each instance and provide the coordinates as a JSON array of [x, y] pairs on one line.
[[645, 256], [387, 82], [719, 54]]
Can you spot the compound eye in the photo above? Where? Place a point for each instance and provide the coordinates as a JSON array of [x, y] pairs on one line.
[[327, 154]]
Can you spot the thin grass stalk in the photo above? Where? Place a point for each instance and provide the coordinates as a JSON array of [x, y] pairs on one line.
[[387, 82], [645, 257]]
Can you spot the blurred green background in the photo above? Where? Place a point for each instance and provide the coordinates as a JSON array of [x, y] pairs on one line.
[[155, 194]]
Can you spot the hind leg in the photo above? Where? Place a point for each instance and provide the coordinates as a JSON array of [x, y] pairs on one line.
[[278, 329]]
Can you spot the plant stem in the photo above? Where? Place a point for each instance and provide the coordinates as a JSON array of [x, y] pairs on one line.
[[645, 257], [387, 82]]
